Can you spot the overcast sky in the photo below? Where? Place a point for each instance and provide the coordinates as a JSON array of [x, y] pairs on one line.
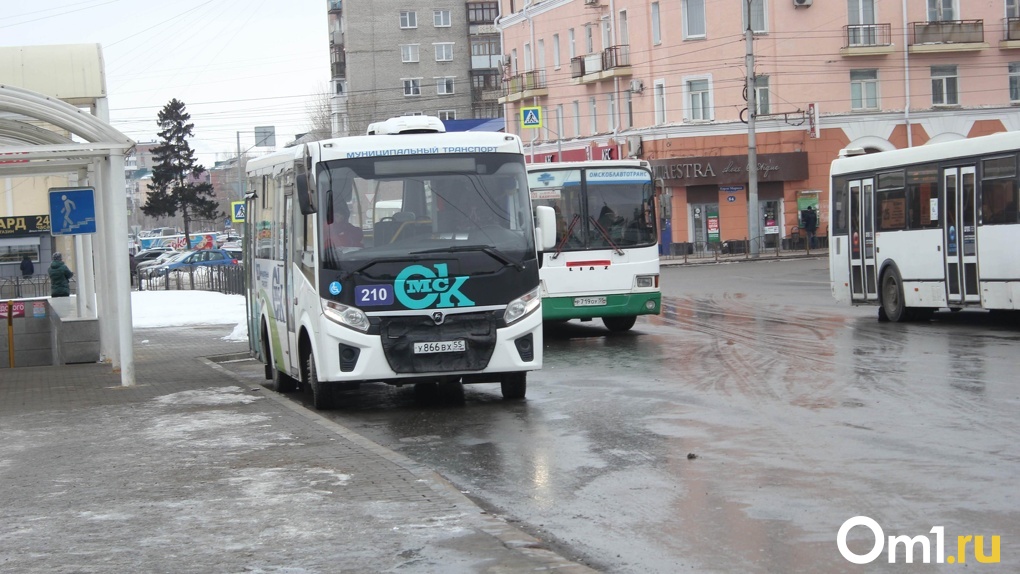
[[235, 64]]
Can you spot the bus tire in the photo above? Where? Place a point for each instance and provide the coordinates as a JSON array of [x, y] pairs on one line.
[[322, 396], [514, 385], [892, 297], [278, 381], [619, 324]]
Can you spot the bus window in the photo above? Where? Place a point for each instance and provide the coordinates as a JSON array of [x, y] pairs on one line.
[[999, 191]]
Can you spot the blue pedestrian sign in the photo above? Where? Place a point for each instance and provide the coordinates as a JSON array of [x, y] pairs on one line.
[[531, 117], [72, 210], [237, 211]]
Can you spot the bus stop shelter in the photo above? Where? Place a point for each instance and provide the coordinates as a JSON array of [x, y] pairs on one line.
[[54, 120]]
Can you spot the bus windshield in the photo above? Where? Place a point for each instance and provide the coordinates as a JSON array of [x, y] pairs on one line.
[[392, 207], [598, 208]]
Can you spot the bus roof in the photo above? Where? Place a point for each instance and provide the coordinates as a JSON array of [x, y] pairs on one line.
[[394, 146], [1000, 142], [596, 164]]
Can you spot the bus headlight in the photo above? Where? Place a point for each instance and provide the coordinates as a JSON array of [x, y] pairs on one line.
[[347, 316], [646, 281], [522, 306]]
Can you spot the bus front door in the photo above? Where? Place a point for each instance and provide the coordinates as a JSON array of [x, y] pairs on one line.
[[289, 342], [959, 235], [863, 282]]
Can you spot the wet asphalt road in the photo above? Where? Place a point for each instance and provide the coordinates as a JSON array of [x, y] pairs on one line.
[[737, 431]]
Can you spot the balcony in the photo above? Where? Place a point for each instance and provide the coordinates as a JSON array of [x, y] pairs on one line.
[[334, 5], [339, 69], [526, 85], [485, 94], [866, 40], [947, 36], [613, 62], [1011, 33]]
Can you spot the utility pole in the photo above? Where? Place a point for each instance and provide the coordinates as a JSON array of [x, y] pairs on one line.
[[753, 223]]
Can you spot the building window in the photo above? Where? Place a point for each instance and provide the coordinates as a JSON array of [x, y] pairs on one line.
[[541, 54], [444, 52], [485, 80], [447, 114], [660, 102], [629, 110], [656, 29], [864, 89], [408, 53], [556, 51], [942, 10], [408, 19], [441, 18], [412, 86], [1014, 82], [589, 39], [761, 92], [559, 121], [757, 9], [944, 86], [444, 86], [612, 112], [624, 28], [694, 19], [482, 12], [593, 112], [577, 119], [699, 100], [1013, 8]]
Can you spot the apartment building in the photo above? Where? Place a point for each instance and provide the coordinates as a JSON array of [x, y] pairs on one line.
[[666, 81], [392, 58]]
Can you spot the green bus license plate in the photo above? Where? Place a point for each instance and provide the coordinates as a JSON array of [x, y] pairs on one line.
[[440, 347], [589, 301]]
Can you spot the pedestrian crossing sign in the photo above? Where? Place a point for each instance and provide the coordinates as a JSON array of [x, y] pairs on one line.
[[531, 117], [237, 211]]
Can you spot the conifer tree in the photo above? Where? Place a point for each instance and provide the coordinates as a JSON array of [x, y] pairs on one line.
[[176, 186]]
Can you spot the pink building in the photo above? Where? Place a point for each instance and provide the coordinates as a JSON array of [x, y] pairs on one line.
[[665, 81]]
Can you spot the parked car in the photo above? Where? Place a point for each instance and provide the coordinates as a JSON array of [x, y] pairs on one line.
[[150, 254], [194, 260], [145, 268]]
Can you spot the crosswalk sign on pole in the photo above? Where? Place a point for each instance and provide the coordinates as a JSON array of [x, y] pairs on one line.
[[531, 117], [237, 211]]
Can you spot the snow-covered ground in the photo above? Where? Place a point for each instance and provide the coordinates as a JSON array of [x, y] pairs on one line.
[[182, 308]]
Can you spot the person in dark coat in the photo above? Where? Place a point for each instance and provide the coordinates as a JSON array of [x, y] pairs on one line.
[[27, 268], [132, 267], [60, 276]]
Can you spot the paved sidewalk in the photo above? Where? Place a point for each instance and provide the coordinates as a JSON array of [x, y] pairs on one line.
[[193, 470]]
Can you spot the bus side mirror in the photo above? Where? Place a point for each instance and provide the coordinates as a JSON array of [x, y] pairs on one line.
[[306, 197], [545, 227]]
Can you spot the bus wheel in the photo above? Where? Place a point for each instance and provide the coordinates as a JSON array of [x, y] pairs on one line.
[[322, 397], [892, 297], [514, 385], [619, 324], [278, 381]]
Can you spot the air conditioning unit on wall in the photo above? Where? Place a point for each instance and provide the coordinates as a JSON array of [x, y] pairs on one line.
[[637, 86], [799, 3]]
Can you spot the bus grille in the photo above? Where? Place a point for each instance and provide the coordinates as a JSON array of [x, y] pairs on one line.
[[477, 330]]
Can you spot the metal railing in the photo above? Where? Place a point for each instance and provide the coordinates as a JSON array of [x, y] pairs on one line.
[[867, 35], [28, 287], [226, 279], [769, 246], [948, 32], [533, 80], [1011, 29]]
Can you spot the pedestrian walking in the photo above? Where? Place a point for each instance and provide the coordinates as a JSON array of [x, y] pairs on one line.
[[132, 267], [809, 218], [27, 267], [60, 277]]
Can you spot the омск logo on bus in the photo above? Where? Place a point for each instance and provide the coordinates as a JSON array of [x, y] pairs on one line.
[[418, 287]]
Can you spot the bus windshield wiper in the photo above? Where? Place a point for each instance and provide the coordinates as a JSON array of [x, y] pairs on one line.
[[605, 235], [487, 249]]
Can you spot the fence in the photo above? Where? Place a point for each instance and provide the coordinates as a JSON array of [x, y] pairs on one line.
[[768, 246], [227, 279], [27, 287]]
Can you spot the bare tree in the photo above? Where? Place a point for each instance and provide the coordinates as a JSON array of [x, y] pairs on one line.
[[320, 116]]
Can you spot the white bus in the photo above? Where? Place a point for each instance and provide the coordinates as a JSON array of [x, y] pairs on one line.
[[344, 289], [606, 260], [927, 228]]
